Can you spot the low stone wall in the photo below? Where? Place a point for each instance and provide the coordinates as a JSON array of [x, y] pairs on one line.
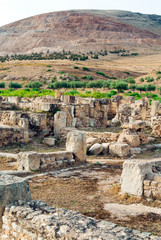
[[152, 186], [32, 161], [36, 221], [103, 137], [142, 178]]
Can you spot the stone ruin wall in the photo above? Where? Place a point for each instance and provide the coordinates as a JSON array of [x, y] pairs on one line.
[[75, 154], [80, 113], [33, 161]]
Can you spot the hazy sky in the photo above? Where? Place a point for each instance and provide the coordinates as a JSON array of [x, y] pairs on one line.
[[12, 10]]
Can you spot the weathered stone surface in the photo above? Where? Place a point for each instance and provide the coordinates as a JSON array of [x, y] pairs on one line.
[[133, 140], [156, 126], [119, 149], [130, 138], [29, 161], [134, 173], [136, 125], [90, 141], [105, 150], [12, 188], [135, 151], [96, 149], [76, 143], [49, 141], [45, 161], [155, 107], [14, 99], [60, 119], [35, 220]]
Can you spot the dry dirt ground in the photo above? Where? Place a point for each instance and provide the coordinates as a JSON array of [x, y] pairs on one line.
[[89, 189], [94, 190]]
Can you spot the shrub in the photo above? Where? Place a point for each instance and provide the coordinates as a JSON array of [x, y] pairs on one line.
[[158, 72], [130, 80], [35, 84], [72, 93], [158, 77], [61, 72], [150, 87], [84, 77], [95, 84], [89, 77], [106, 84], [132, 87], [101, 73], [76, 67], [149, 79], [141, 79], [15, 85], [141, 88], [2, 85], [85, 69], [119, 85], [48, 66]]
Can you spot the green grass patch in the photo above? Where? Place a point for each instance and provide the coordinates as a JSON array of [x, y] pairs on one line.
[[26, 93]]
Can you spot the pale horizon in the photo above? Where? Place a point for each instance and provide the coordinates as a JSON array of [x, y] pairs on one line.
[[12, 11]]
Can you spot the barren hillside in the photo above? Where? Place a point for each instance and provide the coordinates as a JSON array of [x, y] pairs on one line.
[[72, 30]]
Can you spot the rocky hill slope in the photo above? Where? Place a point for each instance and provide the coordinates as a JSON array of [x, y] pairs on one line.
[[74, 30]]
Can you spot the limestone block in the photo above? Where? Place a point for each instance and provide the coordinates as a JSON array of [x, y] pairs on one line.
[[12, 188], [76, 143], [49, 141], [134, 173], [91, 141], [119, 149], [133, 140], [139, 124], [29, 161], [105, 150], [45, 107], [14, 100], [60, 119], [155, 107], [96, 149]]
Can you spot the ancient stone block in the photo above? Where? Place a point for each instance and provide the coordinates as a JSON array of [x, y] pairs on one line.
[[12, 188], [60, 119], [49, 141], [155, 106], [96, 149], [29, 161], [105, 150], [134, 173], [76, 143], [119, 149]]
